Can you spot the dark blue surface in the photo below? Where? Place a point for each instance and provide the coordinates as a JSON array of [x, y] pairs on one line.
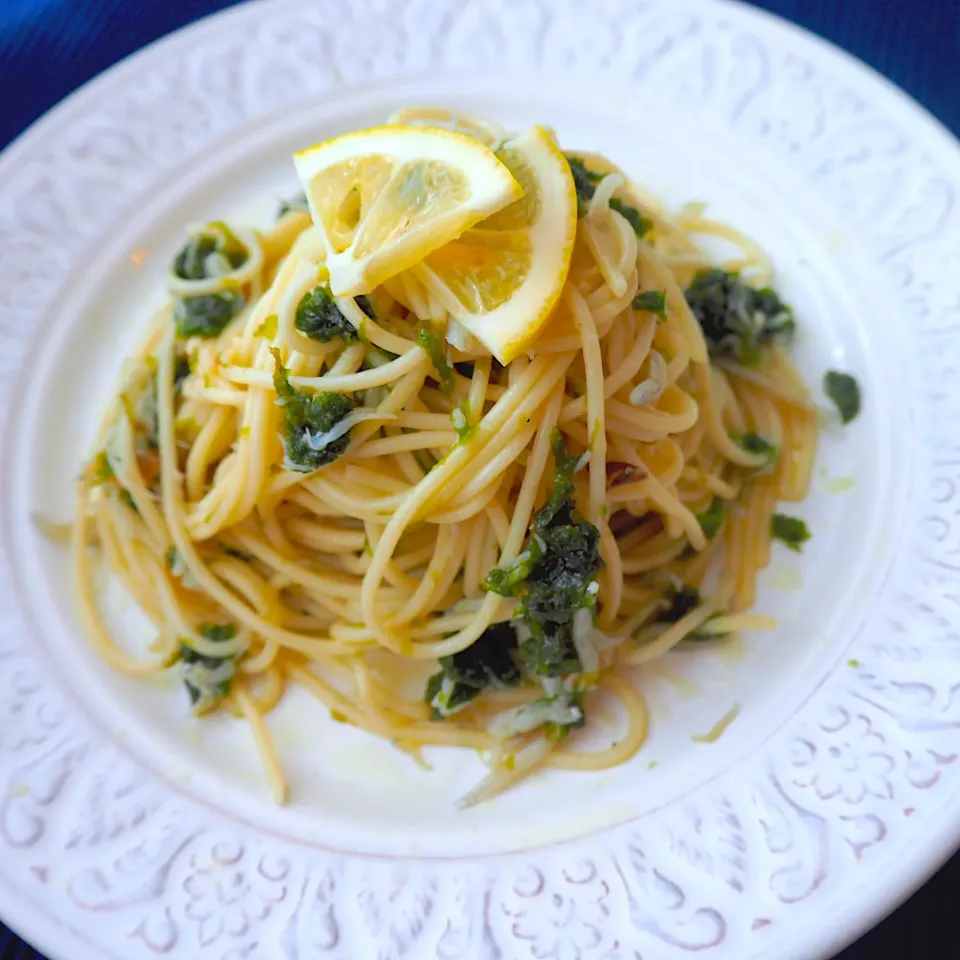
[[49, 47]]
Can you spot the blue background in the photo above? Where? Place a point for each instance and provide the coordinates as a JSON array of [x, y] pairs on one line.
[[50, 47]]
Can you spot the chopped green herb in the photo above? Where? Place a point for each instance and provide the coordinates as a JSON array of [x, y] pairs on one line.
[[488, 662], [217, 632], [181, 371], [190, 262], [790, 530], [314, 435], [208, 678], [99, 469], [206, 315], [319, 317], [653, 301], [458, 417], [585, 180], [755, 444], [712, 519], [433, 344], [228, 243], [853, 663], [237, 554], [146, 416], [738, 320], [641, 225], [212, 252], [844, 391], [680, 601], [554, 576], [510, 579], [126, 498]]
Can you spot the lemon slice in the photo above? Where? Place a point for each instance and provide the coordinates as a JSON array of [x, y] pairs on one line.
[[384, 198], [502, 278]]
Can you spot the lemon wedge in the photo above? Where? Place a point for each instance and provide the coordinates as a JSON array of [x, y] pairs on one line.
[[384, 198], [502, 278]]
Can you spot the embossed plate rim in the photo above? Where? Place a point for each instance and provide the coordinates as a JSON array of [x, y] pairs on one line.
[[931, 135]]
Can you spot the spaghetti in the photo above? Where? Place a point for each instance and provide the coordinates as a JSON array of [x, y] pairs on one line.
[[305, 489]]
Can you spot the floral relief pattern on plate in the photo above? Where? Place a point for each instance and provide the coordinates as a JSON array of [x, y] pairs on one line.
[[99, 858]]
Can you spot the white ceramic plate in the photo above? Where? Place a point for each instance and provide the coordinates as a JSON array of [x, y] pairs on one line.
[[128, 831]]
